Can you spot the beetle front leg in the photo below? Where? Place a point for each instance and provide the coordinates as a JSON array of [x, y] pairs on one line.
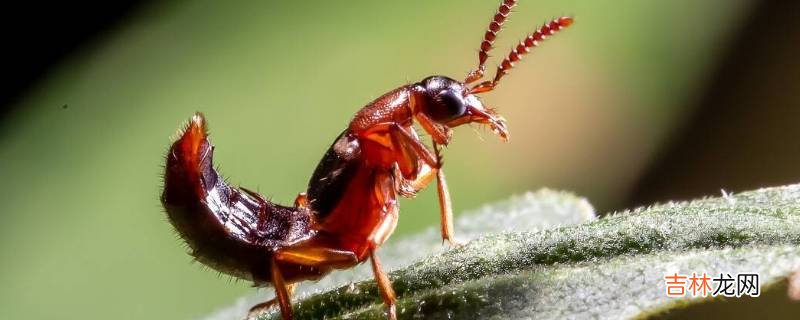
[[406, 149], [409, 152], [434, 162], [445, 204], [409, 188], [439, 134]]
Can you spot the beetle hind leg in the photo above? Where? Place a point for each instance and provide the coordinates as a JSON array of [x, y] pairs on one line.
[[261, 307], [283, 294], [316, 256], [445, 204]]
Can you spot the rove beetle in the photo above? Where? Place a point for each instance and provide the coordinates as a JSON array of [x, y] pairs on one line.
[[351, 206]]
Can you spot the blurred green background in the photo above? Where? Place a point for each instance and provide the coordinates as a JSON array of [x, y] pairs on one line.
[[82, 233]]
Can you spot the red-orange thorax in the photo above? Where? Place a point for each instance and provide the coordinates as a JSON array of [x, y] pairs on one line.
[[352, 192], [394, 106], [365, 215]]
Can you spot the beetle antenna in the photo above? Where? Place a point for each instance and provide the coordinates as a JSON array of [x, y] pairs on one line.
[[491, 34], [524, 46]]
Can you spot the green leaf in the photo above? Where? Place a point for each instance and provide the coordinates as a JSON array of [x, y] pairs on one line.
[[531, 211], [612, 267]]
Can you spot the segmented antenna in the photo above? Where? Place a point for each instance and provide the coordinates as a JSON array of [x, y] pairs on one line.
[[494, 27], [524, 47]]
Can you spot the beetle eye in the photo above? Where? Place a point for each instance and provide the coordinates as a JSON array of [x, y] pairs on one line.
[[448, 105]]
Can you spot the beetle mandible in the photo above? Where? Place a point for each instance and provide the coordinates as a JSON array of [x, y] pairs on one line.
[[350, 207]]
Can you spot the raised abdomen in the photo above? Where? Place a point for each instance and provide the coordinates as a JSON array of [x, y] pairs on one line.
[[226, 228]]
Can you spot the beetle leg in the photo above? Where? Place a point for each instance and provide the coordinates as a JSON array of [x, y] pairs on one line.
[[408, 151], [306, 255], [402, 137], [407, 148], [281, 291], [439, 134], [261, 307], [385, 193], [402, 185], [386, 227], [445, 205], [409, 188], [316, 256], [384, 285]]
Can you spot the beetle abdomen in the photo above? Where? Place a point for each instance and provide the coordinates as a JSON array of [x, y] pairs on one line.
[[228, 229]]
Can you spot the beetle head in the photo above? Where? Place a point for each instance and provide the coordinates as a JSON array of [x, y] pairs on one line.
[[449, 103]]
